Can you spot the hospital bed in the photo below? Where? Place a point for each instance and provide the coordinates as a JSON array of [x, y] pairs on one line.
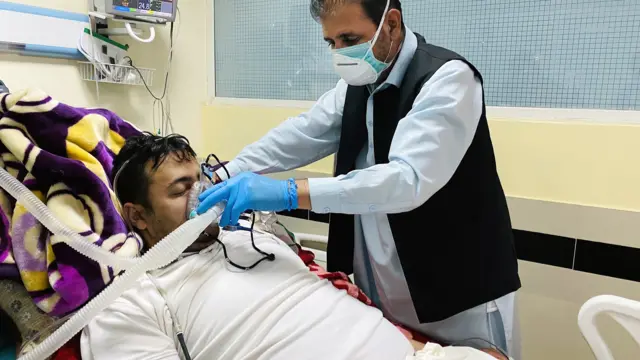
[[625, 311], [317, 244]]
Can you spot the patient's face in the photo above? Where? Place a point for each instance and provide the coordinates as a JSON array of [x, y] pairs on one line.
[[169, 187]]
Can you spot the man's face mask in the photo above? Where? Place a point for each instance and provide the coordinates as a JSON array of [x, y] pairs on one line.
[[357, 65]]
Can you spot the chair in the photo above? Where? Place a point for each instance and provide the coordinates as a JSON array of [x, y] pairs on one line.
[[626, 312]]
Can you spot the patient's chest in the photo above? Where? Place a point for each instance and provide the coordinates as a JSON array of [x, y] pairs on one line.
[[274, 311], [205, 287]]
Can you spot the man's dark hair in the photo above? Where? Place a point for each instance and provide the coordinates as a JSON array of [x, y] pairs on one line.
[[130, 178], [373, 8]]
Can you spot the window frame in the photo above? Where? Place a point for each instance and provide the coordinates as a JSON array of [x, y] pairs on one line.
[[595, 116]]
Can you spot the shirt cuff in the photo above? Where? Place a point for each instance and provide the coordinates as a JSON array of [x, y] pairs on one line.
[[232, 167], [325, 195]]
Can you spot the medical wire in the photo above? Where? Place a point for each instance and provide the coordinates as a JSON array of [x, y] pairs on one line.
[[166, 122], [158, 101], [161, 104], [176, 324], [174, 317], [207, 166], [166, 77], [169, 121], [266, 256]]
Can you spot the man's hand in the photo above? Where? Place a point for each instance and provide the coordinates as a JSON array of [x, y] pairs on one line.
[[249, 191]]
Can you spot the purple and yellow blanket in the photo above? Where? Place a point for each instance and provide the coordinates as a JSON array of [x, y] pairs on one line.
[[64, 156]]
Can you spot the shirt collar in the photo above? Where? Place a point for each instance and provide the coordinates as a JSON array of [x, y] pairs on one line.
[[404, 58]]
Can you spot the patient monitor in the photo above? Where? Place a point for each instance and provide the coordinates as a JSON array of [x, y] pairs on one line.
[[132, 12], [158, 11]]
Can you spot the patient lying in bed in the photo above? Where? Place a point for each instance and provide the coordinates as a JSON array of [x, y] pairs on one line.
[[277, 310]]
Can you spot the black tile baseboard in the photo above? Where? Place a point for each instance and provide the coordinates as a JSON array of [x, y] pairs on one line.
[[544, 249], [324, 218], [608, 259], [598, 258], [300, 214], [307, 215]]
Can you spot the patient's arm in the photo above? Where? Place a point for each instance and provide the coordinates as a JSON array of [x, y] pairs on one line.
[[132, 328]]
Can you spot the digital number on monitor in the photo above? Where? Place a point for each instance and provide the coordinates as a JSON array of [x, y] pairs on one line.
[[147, 7]]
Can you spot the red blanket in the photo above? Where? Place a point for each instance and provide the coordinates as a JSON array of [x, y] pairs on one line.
[[341, 281]]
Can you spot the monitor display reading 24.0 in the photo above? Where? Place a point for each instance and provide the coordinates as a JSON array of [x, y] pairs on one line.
[[163, 8]]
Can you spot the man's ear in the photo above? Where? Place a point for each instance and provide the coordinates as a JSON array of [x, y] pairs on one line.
[[134, 215], [394, 20]]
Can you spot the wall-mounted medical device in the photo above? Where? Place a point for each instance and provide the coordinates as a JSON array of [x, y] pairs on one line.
[[134, 13], [158, 11]]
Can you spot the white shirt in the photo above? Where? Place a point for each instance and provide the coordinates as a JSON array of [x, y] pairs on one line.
[[278, 310], [427, 148]]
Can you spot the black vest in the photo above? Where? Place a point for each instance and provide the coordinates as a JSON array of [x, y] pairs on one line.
[[456, 249]]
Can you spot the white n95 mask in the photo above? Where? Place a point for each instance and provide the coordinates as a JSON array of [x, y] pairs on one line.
[[357, 65]]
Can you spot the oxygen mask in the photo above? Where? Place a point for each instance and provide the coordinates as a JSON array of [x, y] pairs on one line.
[[193, 202], [207, 180]]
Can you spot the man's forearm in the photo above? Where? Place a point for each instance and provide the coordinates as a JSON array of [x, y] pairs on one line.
[[304, 199]]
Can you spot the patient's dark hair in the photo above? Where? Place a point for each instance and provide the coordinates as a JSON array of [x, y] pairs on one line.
[[373, 8], [133, 180]]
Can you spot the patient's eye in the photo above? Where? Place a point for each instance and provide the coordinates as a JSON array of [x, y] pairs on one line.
[[182, 193], [181, 189]]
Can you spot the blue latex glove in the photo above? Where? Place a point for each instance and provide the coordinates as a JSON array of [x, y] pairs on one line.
[[249, 191]]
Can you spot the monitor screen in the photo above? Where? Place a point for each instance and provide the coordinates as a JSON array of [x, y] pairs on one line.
[[151, 8]]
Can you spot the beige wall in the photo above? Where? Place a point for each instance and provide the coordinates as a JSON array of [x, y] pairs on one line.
[[61, 79], [576, 162]]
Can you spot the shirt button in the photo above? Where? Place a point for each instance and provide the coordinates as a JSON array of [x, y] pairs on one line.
[[326, 210], [370, 123], [372, 208]]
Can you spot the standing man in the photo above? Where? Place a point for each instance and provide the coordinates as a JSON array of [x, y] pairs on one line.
[[418, 211]]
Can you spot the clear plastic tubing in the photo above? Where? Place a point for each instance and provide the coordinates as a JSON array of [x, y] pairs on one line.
[[79, 243], [162, 254]]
